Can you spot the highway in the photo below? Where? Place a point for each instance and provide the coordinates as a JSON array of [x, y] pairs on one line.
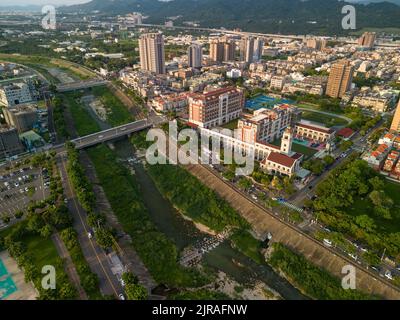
[[257, 34]]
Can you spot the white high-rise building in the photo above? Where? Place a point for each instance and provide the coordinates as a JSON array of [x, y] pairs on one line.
[[152, 56], [195, 55]]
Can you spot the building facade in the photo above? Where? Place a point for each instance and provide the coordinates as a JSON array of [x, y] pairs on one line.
[[195, 55], [314, 132], [216, 107], [10, 144], [22, 117], [340, 79], [14, 94], [367, 39], [267, 125], [152, 55], [247, 49], [396, 120]]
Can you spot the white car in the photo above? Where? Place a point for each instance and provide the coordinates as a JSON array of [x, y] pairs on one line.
[[353, 256], [328, 242], [121, 296], [388, 275], [90, 236]]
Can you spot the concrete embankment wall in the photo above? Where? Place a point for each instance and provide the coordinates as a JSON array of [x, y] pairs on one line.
[[263, 222]]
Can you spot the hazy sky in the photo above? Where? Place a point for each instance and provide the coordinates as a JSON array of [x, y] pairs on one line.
[[40, 2]]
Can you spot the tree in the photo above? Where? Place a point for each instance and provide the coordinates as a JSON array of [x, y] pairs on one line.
[[365, 222], [376, 183], [328, 160], [133, 290], [345, 145], [244, 183], [46, 231], [104, 238]]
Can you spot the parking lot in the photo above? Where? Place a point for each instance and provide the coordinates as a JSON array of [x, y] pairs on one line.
[[19, 187]]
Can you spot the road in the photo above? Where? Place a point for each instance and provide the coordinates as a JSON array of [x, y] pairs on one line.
[[257, 34], [94, 255], [81, 85], [109, 134]]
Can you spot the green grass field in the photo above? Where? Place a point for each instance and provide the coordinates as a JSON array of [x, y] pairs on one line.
[[327, 120], [43, 252]]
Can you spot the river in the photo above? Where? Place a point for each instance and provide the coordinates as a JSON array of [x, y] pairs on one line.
[[183, 233]]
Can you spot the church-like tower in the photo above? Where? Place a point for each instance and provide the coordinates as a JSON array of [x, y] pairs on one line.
[[287, 140]]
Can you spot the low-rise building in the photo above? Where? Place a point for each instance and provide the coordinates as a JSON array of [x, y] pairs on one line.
[[171, 102], [376, 158], [23, 117], [277, 82], [14, 94], [10, 145], [310, 131]]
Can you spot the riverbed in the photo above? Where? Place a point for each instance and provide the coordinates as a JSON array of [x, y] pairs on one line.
[[184, 233]]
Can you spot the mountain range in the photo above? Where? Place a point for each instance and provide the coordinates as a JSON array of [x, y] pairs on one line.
[[279, 16]]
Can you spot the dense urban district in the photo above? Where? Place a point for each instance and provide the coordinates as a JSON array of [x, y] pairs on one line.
[[319, 116]]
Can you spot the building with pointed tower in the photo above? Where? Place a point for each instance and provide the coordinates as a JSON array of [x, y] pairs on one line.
[[287, 141]]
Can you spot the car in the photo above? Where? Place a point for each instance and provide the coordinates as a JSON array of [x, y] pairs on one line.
[[121, 296], [100, 136], [327, 242], [16, 184], [90, 236], [65, 200], [388, 275], [352, 255]]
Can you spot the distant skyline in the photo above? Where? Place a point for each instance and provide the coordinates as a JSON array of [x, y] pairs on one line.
[[41, 2]]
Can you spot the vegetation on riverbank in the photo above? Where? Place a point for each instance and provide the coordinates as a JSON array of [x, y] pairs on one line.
[[312, 280], [83, 121], [194, 199], [117, 113], [158, 253]]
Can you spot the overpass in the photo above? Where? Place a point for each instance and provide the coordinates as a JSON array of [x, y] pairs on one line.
[[110, 134], [378, 44], [65, 87]]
